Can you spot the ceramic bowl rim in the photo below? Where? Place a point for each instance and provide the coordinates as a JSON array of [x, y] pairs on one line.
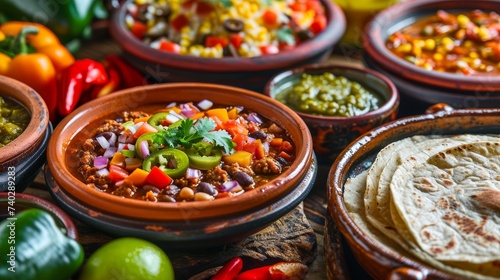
[[338, 210], [36, 129], [274, 189], [326, 39], [388, 106], [374, 44]]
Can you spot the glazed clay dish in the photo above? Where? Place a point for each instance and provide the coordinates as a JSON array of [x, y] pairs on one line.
[[155, 95], [426, 239]]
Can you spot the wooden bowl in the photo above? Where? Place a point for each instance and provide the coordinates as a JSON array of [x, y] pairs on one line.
[[376, 259], [25, 155], [332, 134], [405, 13], [250, 73], [72, 193]]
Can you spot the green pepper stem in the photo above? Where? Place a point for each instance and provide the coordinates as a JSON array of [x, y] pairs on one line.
[[20, 44]]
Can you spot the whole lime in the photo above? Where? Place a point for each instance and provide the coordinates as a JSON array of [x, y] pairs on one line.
[[128, 258]]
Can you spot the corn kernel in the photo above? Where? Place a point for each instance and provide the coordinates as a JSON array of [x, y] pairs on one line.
[[427, 66], [483, 33], [404, 48], [473, 55], [438, 57], [460, 34], [429, 44], [463, 20], [468, 43]]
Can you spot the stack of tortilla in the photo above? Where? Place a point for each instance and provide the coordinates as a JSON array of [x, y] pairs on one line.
[[435, 198]]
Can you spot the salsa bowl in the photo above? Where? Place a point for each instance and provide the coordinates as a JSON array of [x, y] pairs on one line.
[[380, 256], [245, 72], [477, 90], [216, 220], [22, 158], [332, 133]]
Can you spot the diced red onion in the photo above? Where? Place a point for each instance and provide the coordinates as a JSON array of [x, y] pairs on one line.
[[102, 141], [239, 108], [173, 117], [144, 148], [130, 147], [187, 110], [110, 152], [192, 173], [253, 117], [228, 186], [250, 139], [121, 146], [266, 146], [122, 138], [119, 183], [100, 162], [172, 104], [205, 104], [102, 172], [112, 140]]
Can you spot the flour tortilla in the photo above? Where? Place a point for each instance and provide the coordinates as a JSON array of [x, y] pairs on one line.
[[449, 200], [377, 195], [354, 190]]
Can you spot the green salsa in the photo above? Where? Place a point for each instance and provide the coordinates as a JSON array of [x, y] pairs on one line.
[[329, 95], [14, 119]]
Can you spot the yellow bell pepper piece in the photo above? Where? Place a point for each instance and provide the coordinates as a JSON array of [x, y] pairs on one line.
[[220, 113], [137, 177], [243, 158]]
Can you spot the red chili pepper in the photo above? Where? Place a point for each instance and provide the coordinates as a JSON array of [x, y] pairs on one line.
[[75, 80], [131, 77], [278, 271], [229, 270], [113, 84]]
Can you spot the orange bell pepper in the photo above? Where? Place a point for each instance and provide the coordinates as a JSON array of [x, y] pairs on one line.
[[32, 54]]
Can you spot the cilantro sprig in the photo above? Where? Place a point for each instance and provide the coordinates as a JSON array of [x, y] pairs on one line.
[[190, 132]]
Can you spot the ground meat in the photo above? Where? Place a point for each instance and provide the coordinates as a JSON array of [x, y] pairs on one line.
[[266, 165], [125, 190], [100, 183], [89, 145], [110, 125], [274, 128], [130, 116], [216, 176], [185, 182], [235, 167]]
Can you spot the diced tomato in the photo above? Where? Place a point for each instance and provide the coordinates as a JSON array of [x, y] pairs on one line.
[[236, 40], [179, 22], [138, 29], [298, 6], [276, 142], [169, 46], [203, 8], [117, 173], [284, 155], [286, 147], [314, 5], [240, 140], [212, 41], [318, 24], [234, 127], [158, 178], [256, 148], [269, 49], [144, 128], [218, 123], [270, 18]]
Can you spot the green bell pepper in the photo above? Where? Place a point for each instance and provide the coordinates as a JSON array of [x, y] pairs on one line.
[[33, 246], [70, 20]]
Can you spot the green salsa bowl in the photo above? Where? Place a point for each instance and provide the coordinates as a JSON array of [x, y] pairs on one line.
[[354, 100]]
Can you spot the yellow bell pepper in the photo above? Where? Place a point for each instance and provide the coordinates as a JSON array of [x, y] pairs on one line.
[[32, 54], [243, 158]]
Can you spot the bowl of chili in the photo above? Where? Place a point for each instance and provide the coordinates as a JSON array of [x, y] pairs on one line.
[[337, 102], [181, 162], [238, 43], [438, 51], [24, 133]]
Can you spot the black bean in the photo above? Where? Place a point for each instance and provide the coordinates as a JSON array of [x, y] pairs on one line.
[[206, 188], [243, 179], [259, 134], [282, 161], [165, 198], [150, 188], [233, 25], [172, 190]]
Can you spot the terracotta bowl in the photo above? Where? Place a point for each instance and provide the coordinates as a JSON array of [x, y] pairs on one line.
[[379, 262], [250, 73], [26, 201], [25, 155], [237, 216], [416, 83], [332, 134]]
